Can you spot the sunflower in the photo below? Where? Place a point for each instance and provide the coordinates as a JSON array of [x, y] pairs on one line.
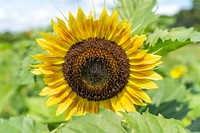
[[91, 63], [178, 71]]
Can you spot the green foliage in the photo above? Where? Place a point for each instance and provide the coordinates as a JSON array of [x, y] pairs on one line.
[[194, 107], [138, 12], [108, 122], [162, 42], [169, 90], [21, 125], [178, 98], [104, 122], [148, 123], [189, 17]]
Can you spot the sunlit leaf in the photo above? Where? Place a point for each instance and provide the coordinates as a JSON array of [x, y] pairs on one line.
[[105, 122], [138, 12], [21, 125], [38, 111], [162, 42], [148, 123], [194, 107], [169, 90], [194, 127]]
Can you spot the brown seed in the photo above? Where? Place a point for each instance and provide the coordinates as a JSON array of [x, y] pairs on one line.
[[96, 69]]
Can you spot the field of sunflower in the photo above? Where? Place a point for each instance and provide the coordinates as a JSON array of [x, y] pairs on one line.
[[118, 73]]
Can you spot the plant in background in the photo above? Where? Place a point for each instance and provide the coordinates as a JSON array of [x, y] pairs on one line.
[[178, 71]]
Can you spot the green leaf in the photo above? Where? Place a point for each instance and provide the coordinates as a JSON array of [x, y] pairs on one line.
[[169, 90], [162, 42], [21, 125], [105, 122], [194, 127], [194, 107], [138, 12], [172, 109], [38, 111], [148, 123], [195, 37]]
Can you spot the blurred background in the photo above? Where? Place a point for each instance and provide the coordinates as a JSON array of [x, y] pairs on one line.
[[22, 20], [23, 15]]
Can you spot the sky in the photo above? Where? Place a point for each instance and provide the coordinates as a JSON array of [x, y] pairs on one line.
[[22, 15]]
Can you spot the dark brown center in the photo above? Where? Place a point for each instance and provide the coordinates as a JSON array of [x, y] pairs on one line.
[[96, 69]]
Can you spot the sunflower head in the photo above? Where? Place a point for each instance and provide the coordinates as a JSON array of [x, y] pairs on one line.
[[91, 63]]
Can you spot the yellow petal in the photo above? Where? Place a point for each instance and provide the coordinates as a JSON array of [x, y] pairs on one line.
[[90, 17], [50, 59], [70, 112], [57, 98], [37, 72], [50, 48], [87, 106], [126, 103], [54, 89], [142, 83], [148, 59], [94, 105], [41, 71], [138, 93], [52, 79], [81, 23], [55, 68], [55, 41], [134, 99], [81, 106], [68, 38], [138, 54], [137, 43], [61, 30], [124, 36], [116, 29], [116, 104], [120, 28], [128, 48], [55, 28], [89, 26], [138, 68], [66, 103], [106, 104], [149, 74], [112, 21], [74, 28], [100, 32], [71, 21]]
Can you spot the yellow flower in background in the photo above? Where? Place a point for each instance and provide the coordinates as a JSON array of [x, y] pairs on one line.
[[91, 63], [178, 71]]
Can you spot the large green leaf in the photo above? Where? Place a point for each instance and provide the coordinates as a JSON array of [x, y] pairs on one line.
[[194, 107], [21, 125], [169, 90], [108, 122], [195, 126], [162, 42], [172, 109], [138, 12], [38, 111], [105, 122], [148, 123]]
